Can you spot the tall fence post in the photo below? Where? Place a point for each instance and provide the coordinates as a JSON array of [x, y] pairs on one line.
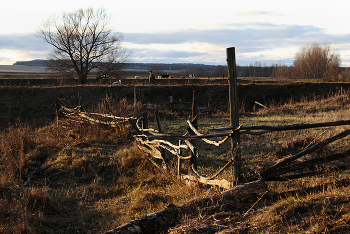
[[234, 118]]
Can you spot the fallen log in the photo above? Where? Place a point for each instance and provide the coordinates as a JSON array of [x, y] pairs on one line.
[[162, 220], [76, 114]]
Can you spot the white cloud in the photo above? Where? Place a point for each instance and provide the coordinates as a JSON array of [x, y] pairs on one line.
[[264, 41], [9, 57], [255, 13]]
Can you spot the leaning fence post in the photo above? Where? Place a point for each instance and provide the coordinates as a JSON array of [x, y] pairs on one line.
[[135, 100], [144, 120], [164, 153], [195, 124], [158, 122], [234, 118]]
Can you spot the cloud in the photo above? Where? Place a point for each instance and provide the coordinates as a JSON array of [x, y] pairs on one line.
[[19, 47], [249, 35], [25, 42], [166, 56], [258, 13], [265, 42]]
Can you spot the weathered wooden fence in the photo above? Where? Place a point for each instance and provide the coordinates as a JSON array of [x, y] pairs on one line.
[[289, 168], [160, 146]]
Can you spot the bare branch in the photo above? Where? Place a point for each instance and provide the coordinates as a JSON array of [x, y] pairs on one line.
[[82, 37]]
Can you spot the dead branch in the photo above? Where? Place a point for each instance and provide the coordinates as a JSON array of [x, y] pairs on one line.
[[164, 145], [222, 183], [309, 163], [304, 152], [80, 116], [216, 174], [150, 130], [150, 150], [193, 149], [267, 173], [192, 137], [209, 141], [261, 105]]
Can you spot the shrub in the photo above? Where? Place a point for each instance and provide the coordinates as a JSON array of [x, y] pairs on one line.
[[315, 62]]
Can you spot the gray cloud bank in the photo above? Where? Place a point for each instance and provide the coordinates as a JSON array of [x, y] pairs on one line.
[[25, 42], [253, 42], [247, 37], [258, 38]]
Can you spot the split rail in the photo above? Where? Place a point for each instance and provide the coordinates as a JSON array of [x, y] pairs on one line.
[[158, 146]]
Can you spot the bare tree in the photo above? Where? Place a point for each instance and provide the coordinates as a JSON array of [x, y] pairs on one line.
[[82, 42], [281, 71], [315, 61], [156, 68], [219, 71]]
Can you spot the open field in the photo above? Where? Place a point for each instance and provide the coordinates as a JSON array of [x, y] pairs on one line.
[[22, 69], [83, 179]]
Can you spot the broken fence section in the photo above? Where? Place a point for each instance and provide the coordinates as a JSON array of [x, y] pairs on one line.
[[158, 146]]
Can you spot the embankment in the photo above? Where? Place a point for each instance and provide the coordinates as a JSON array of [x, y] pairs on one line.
[[35, 105]]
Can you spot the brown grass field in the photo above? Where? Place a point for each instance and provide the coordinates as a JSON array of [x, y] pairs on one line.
[[87, 179]]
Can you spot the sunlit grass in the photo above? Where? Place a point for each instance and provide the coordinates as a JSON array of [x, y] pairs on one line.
[[92, 179]]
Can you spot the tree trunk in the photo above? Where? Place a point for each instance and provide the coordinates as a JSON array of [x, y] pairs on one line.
[[82, 78]]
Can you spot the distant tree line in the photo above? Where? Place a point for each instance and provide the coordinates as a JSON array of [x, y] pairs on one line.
[[311, 62], [171, 66]]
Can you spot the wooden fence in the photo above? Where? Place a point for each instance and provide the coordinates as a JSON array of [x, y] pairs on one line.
[[159, 145]]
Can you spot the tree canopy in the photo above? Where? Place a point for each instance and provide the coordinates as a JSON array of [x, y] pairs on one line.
[[83, 42]]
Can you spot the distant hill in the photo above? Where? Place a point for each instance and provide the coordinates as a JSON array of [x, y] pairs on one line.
[[36, 62], [135, 66]]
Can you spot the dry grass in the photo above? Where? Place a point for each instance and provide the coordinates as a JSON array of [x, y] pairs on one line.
[[88, 179], [79, 179], [318, 204]]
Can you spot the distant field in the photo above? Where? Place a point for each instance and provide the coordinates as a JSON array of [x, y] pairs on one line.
[[21, 69]]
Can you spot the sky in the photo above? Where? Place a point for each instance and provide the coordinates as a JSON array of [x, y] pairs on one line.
[[190, 31]]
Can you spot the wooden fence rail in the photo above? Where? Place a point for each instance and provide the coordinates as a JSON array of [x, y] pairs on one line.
[[278, 171], [157, 145]]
